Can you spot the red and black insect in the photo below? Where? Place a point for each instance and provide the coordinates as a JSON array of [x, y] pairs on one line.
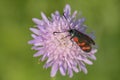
[[82, 40]]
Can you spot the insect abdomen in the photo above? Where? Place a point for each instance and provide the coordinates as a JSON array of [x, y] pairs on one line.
[[82, 44]]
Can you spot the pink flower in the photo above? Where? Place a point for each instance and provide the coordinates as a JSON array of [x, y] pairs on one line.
[[60, 52]]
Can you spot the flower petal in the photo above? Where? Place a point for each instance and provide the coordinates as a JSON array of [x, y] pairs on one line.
[[67, 10], [83, 68], [48, 64], [54, 69], [74, 14], [33, 35], [62, 70], [93, 51], [70, 72], [92, 57], [37, 21], [39, 53], [36, 31], [75, 69], [44, 17], [87, 61]]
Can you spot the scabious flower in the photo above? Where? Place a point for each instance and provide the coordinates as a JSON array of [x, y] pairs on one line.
[[58, 50]]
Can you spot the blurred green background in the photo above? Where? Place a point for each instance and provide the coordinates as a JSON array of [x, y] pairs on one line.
[[16, 56]]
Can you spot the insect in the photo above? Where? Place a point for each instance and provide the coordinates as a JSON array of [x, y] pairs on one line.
[[81, 39]]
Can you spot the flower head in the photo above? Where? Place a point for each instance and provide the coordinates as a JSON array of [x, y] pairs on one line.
[[55, 44]]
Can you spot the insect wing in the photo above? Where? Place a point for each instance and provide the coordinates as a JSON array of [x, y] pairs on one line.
[[85, 38]]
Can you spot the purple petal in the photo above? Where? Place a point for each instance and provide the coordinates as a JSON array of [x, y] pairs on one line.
[[92, 57], [62, 70], [83, 28], [44, 17], [65, 66], [83, 68], [31, 42], [75, 69], [93, 51], [39, 53], [87, 61], [78, 23], [70, 72], [33, 35], [42, 28], [53, 16], [69, 65], [79, 57], [48, 64], [54, 69], [36, 31], [44, 57], [37, 21], [67, 10], [74, 14], [36, 42], [49, 60], [37, 48], [57, 13]]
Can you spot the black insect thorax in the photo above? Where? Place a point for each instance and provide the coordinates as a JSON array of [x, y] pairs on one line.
[[73, 32]]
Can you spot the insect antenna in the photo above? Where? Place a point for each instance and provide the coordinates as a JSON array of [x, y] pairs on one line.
[[67, 23], [67, 20]]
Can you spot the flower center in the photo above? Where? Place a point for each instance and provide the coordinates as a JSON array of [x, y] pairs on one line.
[[62, 39]]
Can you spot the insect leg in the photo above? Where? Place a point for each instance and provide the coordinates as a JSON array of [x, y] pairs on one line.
[[56, 32]]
